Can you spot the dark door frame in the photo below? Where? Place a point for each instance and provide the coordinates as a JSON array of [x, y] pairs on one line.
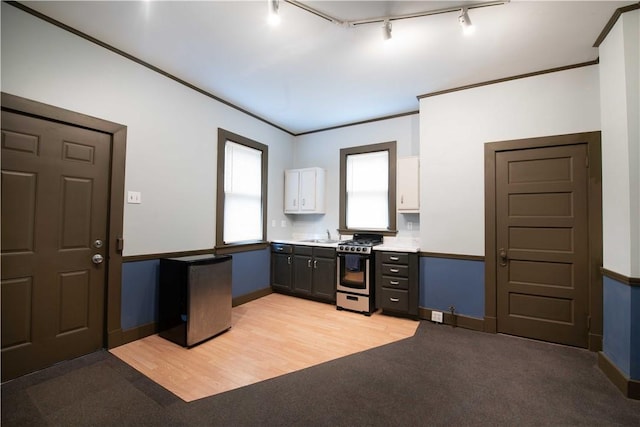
[[592, 139], [113, 332]]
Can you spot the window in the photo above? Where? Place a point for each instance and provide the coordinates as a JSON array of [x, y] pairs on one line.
[[242, 190], [368, 188]]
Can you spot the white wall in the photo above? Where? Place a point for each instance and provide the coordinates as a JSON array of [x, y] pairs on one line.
[[454, 128], [619, 93], [171, 130], [322, 149]]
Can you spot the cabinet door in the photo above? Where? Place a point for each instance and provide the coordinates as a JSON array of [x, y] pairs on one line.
[[324, 278], [302, 274], [291, 190], [281, 271], [408, 184], [308, 190]]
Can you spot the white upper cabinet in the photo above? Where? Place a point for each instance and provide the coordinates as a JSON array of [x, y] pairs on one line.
[[304, 190], [408, 183]]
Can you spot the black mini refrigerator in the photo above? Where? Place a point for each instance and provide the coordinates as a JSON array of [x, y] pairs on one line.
[[195, 298]]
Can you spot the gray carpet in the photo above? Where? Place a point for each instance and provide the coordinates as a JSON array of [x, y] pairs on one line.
[[441, 376]]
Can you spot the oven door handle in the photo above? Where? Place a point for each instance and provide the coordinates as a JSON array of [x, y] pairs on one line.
[[362, 256]]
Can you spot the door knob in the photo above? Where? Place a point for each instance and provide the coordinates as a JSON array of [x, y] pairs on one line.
[[97, 259], [503, 257]]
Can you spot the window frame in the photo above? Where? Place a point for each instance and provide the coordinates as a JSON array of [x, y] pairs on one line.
[[364, 149], [222, 247]]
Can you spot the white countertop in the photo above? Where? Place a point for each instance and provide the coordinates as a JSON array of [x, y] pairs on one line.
[[395, 247], [392, 245], [306, 243]]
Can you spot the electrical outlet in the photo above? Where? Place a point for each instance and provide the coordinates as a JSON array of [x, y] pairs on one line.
[[436, 316], [134, 197]]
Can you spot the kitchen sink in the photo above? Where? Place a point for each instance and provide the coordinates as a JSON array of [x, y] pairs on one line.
[[320, 241]]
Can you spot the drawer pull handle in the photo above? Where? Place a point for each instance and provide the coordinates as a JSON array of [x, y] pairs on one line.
[[394, 282], [289, 260], [394, 258], [394, 299], [394, 270], [279, 249]]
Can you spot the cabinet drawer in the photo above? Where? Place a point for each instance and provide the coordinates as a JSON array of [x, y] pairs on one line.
[[394, 299], [395, 258], [324, 252], [395, 270], [303, 250], [281, 248], [394, 283]]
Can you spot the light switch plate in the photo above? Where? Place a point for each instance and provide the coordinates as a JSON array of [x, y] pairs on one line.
[[134, 197]]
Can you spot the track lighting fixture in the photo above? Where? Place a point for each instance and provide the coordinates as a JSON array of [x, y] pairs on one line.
[[465, 22], [273, 18], [463, 17], [386, 30]]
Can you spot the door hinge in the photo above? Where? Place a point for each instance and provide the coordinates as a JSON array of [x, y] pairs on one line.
[[586, 161], [588, 323], [119, 244]]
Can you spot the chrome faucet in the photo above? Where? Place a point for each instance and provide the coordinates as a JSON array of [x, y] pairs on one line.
[[328, 234]]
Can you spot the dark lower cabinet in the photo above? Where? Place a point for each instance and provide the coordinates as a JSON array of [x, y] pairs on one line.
[[397, 290], [304, 271], [324, 277], [281, 267]]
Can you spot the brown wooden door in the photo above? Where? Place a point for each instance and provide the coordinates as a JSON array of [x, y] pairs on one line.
[[543, 243], [54, 209]]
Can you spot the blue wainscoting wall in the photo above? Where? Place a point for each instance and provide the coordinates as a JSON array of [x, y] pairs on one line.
[[621, 325], [251, 271], [139, 293], [140, 280], [446, 282]]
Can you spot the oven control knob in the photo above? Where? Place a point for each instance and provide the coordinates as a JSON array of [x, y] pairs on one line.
[[353, 249]]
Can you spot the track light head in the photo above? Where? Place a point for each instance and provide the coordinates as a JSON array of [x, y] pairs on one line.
[[272, 17], [465, 22], [386, 30]]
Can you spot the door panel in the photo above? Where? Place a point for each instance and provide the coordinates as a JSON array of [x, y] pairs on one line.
[[542, 236], [19, 192], [54, 206]]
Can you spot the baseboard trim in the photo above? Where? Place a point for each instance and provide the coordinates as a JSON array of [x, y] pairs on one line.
[[120, 337], [629, 388], [243, 299], [462, 321], [595, 342]]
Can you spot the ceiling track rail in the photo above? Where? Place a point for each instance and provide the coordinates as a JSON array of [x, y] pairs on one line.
[[355, 23]]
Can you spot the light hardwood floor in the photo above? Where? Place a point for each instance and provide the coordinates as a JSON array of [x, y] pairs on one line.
[[270, 336]]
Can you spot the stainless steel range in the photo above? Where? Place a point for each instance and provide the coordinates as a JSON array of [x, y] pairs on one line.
[[355, 273]]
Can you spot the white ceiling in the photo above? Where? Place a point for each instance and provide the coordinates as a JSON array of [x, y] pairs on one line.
[[308, 73]]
